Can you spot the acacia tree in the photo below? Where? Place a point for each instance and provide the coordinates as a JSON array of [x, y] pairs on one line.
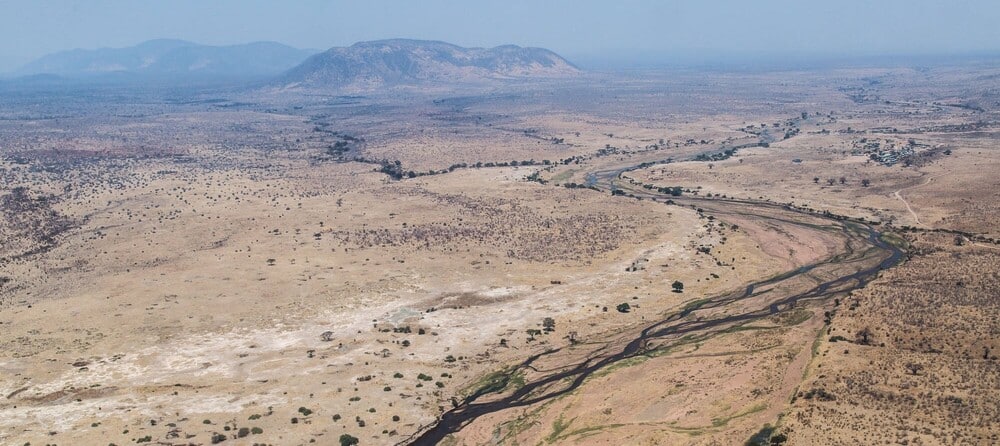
[[863, 336], [532, 332], [678, 286], [914, 368], [549, 324]]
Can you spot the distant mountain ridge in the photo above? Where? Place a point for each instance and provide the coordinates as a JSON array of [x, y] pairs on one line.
[[169, 57], [394, 62]]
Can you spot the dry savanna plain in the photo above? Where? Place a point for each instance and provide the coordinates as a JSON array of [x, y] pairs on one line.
[[801, 257]]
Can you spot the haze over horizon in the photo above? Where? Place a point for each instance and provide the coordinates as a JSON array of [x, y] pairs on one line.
[[630, 32]]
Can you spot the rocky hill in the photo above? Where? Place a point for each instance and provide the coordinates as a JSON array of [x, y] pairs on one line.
[[386, 63]]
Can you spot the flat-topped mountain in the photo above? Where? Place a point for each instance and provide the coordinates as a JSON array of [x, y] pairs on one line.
[[371, 65], [166, 57]]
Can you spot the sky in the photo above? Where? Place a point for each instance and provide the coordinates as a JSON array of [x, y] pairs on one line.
[[620, 31]]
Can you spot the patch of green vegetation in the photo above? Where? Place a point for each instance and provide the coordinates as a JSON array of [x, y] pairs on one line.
[[895, 240], [794, 317], [558, 426], [517, 381], [692, 431], [694, 304], [722, 421], [519, 424], [495, 382], [628, 362], [649, 354], [717, 423], [563, 176], [591, 430], [814, 351], [738, 328]]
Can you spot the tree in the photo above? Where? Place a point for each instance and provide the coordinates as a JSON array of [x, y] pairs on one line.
[[678, 286], [830, 181], [348, 440], [863, 336], [532, 332], [843, 180], [816, 180], [549, 324], [865, 182], [914, 368], [623, 308]]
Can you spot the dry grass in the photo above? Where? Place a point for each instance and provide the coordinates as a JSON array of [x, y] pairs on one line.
[[171, 262]]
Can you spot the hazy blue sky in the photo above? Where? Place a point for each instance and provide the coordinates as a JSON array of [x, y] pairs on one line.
[[575, 28]]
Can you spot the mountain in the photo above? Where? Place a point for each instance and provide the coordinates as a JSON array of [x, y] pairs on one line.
[[166, 57], [396, 62]]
